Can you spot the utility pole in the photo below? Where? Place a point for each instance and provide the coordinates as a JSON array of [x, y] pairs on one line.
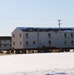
[[59, 23]]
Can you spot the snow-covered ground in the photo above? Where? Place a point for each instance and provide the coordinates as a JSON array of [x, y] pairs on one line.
[[37, 64]]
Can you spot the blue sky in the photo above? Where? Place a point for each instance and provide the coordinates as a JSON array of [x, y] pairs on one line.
[[35, 13]]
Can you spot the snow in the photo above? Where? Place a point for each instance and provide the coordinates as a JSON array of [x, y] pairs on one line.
[[37, 64]]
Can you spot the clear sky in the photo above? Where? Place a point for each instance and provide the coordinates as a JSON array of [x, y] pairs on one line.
[[35, 13]]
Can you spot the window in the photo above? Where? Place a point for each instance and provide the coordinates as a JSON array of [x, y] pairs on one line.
[[33, 42], [65, 42], [4, 45], [10, 40], [49, 35], [71, 34], [13, 43], [13, 35], [10, 45], [72, 42], [65, 35], [20, 43], [26, 35], [49, 42], [27, 43], [20, 35], [4, 40]]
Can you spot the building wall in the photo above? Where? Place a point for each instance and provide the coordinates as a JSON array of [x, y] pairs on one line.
[[5, 43], [60, 40], [32, 39], [41, 39], [17, 39]]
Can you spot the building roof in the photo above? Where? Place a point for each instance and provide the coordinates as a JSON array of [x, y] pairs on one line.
[[44, 29]]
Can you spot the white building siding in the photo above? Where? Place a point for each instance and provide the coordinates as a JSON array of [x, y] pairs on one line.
[[17, 39], [32, 37], [35, 39], [43, 39], [40, 39]]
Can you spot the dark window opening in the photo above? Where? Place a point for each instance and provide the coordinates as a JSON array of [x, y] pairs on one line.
[[20, 35], [49, 42], [71, 34], [49, 35], [27, 35], [13, 36], [65, 35], [33, 42], [20, 43], [65, 42], [27, 43], [72, 42], [5, 45], [13, 43], [10, 40]]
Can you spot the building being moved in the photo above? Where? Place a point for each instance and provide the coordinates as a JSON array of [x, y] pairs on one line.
[[42, 39]]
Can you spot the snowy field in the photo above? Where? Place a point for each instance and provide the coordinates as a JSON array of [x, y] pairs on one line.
[[37, 64]]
